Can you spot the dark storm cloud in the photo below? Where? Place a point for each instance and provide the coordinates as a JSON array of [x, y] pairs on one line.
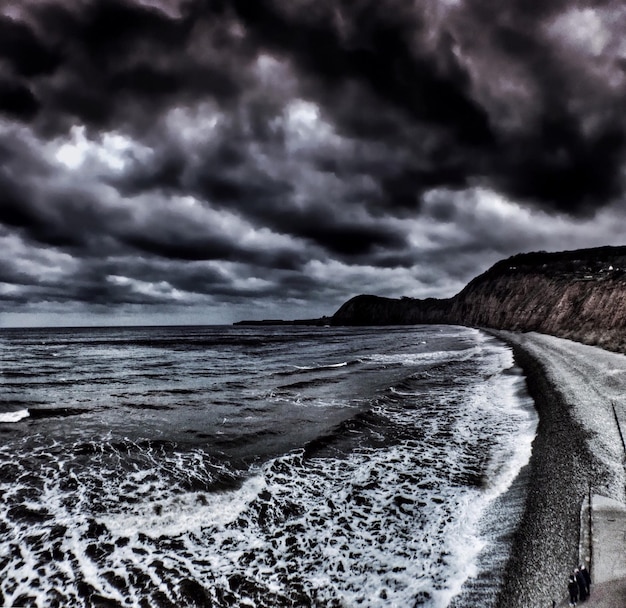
[[72, 220], [226, 174], [379, 70], [375, 53], [112, 63], [294, 142], [567, 148], [555, 160], [74, 243], [50, 213], [17, 100]]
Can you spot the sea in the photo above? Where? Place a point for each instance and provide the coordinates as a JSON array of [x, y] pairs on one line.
[[259, 466]]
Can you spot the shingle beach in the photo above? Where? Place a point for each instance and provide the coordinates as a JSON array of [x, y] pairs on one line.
[[580, 393]]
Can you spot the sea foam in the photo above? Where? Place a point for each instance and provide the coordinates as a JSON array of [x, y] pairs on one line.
[[9, 417]]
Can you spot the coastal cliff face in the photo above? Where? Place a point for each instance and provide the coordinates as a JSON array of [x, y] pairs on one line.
[[580, 295]]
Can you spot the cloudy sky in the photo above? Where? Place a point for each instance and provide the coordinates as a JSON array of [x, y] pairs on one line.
[[203, 161]]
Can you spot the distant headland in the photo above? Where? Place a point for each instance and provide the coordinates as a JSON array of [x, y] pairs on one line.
[[580, 295]]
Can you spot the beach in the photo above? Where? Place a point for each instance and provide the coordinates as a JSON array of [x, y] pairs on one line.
[[579, 392]]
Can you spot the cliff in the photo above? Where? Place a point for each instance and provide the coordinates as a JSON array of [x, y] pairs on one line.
[[580, 295]]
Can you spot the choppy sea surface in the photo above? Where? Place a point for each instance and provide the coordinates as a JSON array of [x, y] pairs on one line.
[[258, 466]]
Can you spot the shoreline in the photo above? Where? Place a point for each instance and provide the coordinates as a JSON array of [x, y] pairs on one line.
[[564, 467]]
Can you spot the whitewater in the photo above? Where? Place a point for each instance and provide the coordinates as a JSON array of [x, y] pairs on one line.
[[259, 466]]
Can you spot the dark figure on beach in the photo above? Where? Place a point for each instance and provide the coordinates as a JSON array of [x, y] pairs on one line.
[[582, 585], [572, 587], [586, 578]]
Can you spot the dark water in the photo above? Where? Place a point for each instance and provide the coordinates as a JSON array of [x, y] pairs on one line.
[[232, 466]]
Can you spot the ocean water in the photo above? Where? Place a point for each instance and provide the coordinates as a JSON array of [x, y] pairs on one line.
[[258, 466]]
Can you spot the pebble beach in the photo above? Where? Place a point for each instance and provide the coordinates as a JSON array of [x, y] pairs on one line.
[[579, 395]]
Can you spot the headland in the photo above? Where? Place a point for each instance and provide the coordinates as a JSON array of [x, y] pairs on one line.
[[579, 295]]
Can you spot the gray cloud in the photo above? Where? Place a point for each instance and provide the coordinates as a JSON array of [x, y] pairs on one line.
[[180, 155]]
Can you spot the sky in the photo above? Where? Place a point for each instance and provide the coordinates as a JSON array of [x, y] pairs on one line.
[[202, 162]]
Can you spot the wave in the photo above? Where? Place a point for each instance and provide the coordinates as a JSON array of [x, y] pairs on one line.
[[323, 366], [244, 439], [10, 417], [292, 531], [304, 384], [358, 431], [298, 369], [445, 356], [39, 414], [127, 446], [148, 406], [56, 412]]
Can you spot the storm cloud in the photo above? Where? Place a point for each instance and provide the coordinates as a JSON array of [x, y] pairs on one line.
[[206, 160]]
